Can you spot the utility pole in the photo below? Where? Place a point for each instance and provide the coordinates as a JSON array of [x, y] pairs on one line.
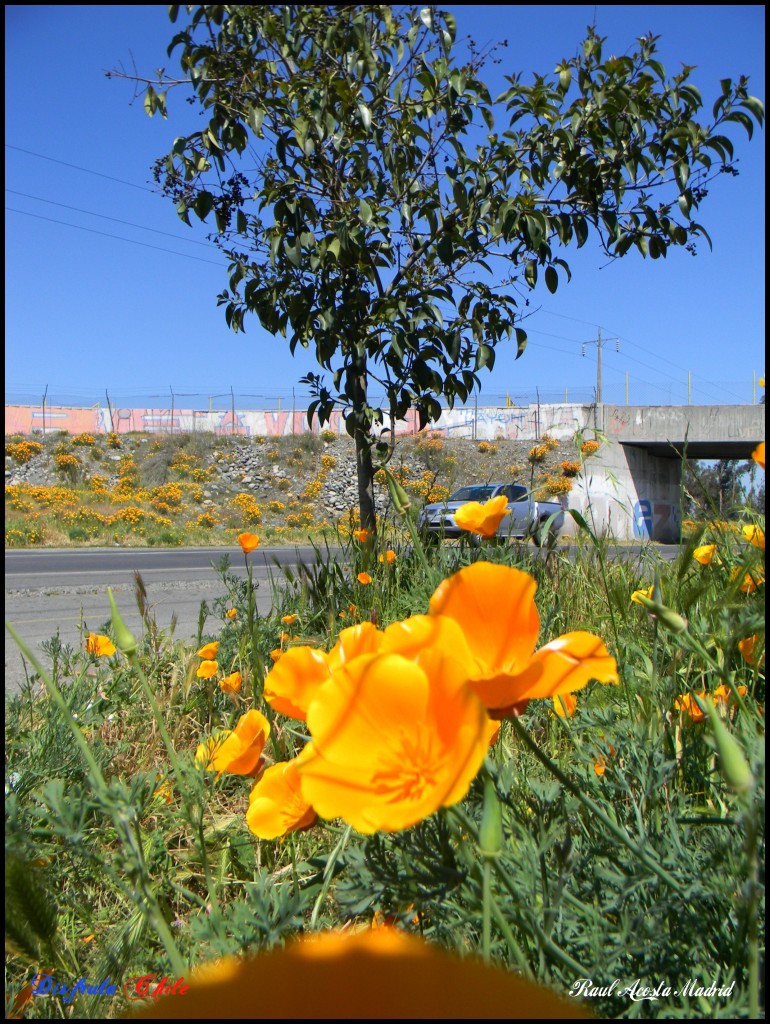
[[600, 342]]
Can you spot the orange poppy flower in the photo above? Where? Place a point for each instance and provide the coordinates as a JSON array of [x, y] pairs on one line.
[[207, 669], [291, 685], [394, 739], [482, 519], [754, 535], [100, 646], [412, 979], [758, 455], [231, 683], [209, 651], [642, 593], [600, 765], [705, 554], [687, 705], [248, 542], [747, 648], [289, 620], [276, 803], [495, 607], [751, 580], [364, 579], [231, 613], [362, 535], [568, 708], [238, 752], [724, 695]]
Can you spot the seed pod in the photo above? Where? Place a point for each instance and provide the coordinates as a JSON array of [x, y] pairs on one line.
[[735, 768], [666, 616], [124, 638]]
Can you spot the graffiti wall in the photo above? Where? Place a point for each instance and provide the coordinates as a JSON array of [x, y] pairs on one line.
[[513, 424]]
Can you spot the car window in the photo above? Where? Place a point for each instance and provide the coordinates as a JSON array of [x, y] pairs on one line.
[[515, 492], [479, 492]]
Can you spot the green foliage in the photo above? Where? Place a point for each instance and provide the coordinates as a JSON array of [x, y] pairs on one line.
[[390, 194]]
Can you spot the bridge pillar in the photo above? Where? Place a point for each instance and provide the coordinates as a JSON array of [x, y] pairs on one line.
[[629, 494]]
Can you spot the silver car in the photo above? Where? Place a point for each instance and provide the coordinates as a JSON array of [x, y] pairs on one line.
[[520, 520]]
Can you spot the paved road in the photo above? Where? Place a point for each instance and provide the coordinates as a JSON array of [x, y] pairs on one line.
[[66, 590]]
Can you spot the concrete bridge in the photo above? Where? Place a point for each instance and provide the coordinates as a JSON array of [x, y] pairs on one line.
[[633, 486]]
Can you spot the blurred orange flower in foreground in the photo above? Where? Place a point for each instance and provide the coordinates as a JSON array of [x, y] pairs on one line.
[[758, 455], [383, 973]]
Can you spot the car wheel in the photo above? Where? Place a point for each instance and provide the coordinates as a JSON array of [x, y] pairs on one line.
[[539, 540]]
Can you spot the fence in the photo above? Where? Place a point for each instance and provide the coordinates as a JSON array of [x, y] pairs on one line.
[[689, 391]]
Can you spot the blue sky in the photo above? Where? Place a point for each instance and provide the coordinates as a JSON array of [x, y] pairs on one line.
[[107, 290]]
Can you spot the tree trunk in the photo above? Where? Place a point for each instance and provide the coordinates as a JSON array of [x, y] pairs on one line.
[[365, 472], [357, 381]]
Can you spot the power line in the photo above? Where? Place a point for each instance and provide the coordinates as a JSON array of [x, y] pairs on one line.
[[120, 238], [85, 170], [104, 216]]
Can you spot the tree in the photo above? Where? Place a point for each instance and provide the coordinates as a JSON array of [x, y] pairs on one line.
[[367, 201], [723, 489]]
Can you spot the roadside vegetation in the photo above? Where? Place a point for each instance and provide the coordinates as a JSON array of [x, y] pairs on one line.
[[140, 489], [157, 793]]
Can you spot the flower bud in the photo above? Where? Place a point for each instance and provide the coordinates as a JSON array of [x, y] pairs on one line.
[[124, 638], [401, 500], [666, 616], [735, 768]]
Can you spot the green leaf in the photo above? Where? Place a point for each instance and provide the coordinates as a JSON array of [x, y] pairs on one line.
[[581, 523], [426, 17], [521, 341], [150, 101], [485, 356], [366, 116], [204, 204], [551, 279], [365, 211], [530, 273]]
